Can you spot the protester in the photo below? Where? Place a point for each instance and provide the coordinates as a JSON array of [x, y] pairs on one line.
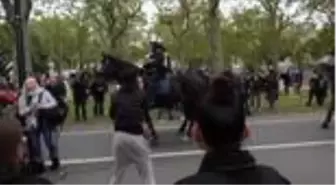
[[80, 88], [318, 87], [130, 112], [330, 73], [219, 130], [12, 156], [33, 104], [58, 89], [99, 89]]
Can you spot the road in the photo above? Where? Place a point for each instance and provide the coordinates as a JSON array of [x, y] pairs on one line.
[[298, 148]]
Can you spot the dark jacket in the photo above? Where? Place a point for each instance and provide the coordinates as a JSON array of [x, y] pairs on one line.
[[98, 88], [58, 91], [129, 110], [236, 167], [10, 176], [80, 90]]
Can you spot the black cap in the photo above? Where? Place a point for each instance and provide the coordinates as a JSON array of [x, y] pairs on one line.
[[156, 45]]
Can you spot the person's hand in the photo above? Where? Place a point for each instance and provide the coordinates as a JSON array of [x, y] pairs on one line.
[[34, 108], [146, 131], [247, 131]]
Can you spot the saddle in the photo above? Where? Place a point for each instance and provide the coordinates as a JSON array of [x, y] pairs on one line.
[[163, 86]]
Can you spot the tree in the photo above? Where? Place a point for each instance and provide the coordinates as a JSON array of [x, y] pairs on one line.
[[216, 56], [177, 20], [7, 43], [111, 19], [8, 6]]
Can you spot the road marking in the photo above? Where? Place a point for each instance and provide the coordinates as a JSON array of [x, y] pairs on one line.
[[109, 130], [200, 152]]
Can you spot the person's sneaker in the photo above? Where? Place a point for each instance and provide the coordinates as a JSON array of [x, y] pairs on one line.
[[55, 164]]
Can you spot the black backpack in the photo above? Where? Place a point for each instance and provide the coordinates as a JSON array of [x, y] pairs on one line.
[[55, 115]]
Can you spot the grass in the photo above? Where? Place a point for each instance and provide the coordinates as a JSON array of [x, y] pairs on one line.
[[89, 110], [294, 104], [285, 105]]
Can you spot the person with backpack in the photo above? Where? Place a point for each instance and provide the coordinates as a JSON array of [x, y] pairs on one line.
[[12, 147], [220, 129], [58, 90], [35, 107]]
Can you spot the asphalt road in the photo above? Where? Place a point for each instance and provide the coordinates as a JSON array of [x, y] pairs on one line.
[[310, 165], [299, 149], [95, 144]]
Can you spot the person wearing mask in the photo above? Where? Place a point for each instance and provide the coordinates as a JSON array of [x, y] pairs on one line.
[[219, 130], [12, 146], [98, 90], [129, 110], [32, 102], [80, 95]]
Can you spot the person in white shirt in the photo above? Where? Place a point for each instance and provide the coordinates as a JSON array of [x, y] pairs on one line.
[[32, 100]]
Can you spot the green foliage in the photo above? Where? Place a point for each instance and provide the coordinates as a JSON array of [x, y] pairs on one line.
[[85, 28]]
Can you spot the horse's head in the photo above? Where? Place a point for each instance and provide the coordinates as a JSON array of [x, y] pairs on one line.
[[112, 68]]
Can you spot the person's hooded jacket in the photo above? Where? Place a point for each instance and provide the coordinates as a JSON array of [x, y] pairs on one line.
[[31, 102], [10, 175]]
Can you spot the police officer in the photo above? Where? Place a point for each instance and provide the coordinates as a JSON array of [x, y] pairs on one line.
[[156, 67], [219, 130]]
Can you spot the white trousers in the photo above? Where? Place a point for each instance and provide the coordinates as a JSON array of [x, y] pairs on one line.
[[132, 149]]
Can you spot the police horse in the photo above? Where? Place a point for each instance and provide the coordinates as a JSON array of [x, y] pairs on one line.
[[186, 87]]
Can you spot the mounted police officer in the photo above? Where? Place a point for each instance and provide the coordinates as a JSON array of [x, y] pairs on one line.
[[157, 70]]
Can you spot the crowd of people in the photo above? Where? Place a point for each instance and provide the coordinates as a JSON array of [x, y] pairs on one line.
[[220, 135], [42, 106], [219, 123]]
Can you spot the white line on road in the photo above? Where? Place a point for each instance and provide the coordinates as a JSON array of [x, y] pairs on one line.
[[109, 130], [200, 152]]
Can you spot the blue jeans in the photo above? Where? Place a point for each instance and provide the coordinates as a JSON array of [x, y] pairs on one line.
[[51, 139], [50, 136], [152, 89], [34, 145]]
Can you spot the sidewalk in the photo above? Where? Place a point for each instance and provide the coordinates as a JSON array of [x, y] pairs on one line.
[[106, 124]]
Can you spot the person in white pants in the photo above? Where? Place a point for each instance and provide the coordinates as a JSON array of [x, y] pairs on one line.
[[130, 149], [128, 110]]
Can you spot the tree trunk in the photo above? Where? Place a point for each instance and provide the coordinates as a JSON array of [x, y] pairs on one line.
[[215, 44]]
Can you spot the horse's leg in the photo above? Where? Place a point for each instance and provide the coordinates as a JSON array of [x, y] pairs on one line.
[[191, 123], [325, 124], [159, 114], [183, 126], [170, 110], [155, 138]]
